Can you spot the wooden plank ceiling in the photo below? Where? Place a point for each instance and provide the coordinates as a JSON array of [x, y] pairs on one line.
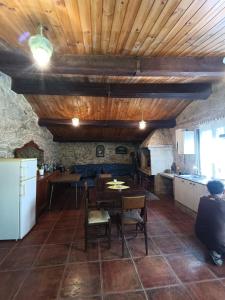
[[115, 27]]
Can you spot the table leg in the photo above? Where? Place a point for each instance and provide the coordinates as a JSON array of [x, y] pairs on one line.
[[76, 194], [50, 201]]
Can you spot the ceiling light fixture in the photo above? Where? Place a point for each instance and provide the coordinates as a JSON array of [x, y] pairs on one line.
[[75, 122], [142, 123], [41, 48]]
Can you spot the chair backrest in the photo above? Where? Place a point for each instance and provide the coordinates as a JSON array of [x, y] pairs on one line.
[[105, 175], [89, 203], [101, 181], [133, 202]]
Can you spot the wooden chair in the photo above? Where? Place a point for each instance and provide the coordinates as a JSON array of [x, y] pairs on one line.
[[95, 218], [101, 181], [133, 204], [105, 176]]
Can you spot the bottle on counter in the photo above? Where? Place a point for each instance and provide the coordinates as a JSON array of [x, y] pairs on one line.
[[173, 168]]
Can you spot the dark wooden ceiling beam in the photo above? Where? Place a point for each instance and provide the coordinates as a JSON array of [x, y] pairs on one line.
[[185, 91], [182, 66], [108, 123], [18, 64], [106, 140], [64, 86]]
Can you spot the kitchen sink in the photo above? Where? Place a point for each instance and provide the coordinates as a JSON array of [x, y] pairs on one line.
[[193, 176]]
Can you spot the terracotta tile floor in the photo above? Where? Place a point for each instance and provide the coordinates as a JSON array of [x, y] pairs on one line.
[[50, 262]]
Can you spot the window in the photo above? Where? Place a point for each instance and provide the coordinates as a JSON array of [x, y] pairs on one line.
[[212, 149]]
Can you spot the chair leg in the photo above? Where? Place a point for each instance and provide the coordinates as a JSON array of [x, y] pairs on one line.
[[123, 238], [118, 225], [86, 239], [109, 234], [146, 239]]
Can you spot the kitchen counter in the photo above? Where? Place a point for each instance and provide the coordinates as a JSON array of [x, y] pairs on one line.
[[46, 175], [197, 178], [167, 175], [193, 178], [165, 181]]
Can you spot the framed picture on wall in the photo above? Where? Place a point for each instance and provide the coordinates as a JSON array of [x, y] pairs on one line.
[[121, 150], [100, 151]]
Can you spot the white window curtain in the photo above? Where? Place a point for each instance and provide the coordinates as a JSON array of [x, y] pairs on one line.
[[212, 149]]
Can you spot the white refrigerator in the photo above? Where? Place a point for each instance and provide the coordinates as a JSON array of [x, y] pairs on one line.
[[17, 197]]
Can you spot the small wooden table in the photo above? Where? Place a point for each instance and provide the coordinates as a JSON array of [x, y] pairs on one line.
[[62, 179]]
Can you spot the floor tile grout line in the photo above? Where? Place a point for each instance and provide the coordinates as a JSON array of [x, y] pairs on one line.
[[192, 254], [32, 265], [66, 265], [128, 258], [16, 246], [202, 281], [123, 292], [101, 273], [136, 270], [10, 250], [43, 245], [221, 280], [177, 277], [21, 284], [28, 270], [157, 247], [163, 286], [211, 271], [165, 256]]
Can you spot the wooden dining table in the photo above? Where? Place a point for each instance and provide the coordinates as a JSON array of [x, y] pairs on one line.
[[64, 178], [111, 198]]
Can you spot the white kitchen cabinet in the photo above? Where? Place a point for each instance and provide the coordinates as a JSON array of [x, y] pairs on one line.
[[200, 190], [188, 193], [179, 190], [185, 141], [184, 192]]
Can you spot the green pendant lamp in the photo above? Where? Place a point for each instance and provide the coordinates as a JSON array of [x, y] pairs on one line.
[[41, 48]]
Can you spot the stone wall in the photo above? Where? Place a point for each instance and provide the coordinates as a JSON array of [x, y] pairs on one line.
[[196, 113], [85, 153], [18, 124], [192, 116], [158, 137]]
